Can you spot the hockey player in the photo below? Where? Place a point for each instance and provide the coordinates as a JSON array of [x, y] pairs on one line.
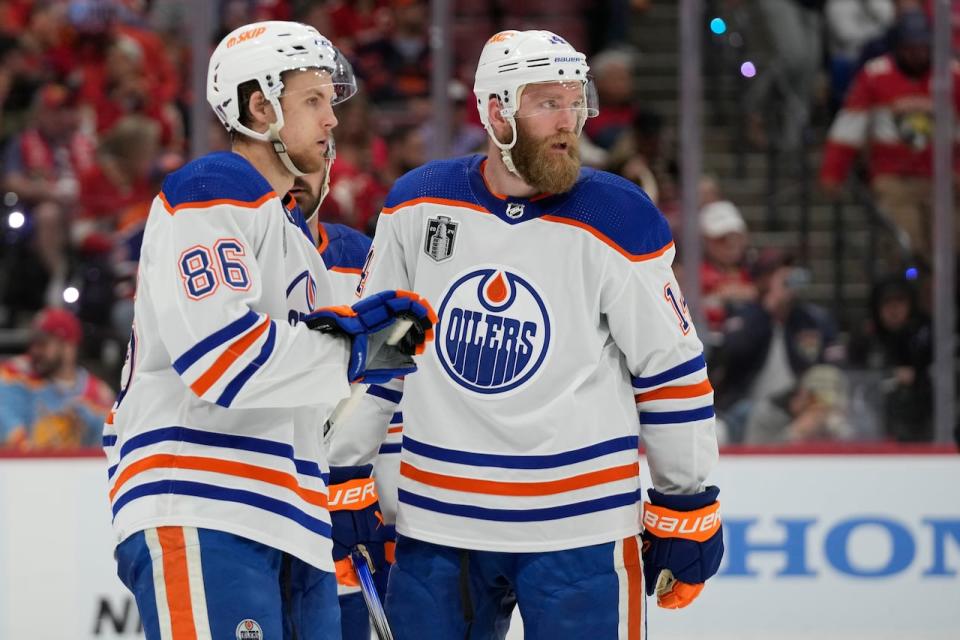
[[217, 477], [358, 521], [559, 320]]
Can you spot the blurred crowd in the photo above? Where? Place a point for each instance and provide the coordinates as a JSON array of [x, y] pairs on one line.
[[94, 112]]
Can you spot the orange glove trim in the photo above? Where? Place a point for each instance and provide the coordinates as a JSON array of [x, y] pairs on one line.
[[352, 495], [346, 574], [699, 525], [679, 595]]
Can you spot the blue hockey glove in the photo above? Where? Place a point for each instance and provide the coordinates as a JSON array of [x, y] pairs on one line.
[[357, 524], [682, 545], [368, 323]]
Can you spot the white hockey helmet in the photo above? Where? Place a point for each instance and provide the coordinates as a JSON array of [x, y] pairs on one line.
[[511, 60], [262, 51]]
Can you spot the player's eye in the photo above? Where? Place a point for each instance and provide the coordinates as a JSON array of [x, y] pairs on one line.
[[549, 104], [313, 101]]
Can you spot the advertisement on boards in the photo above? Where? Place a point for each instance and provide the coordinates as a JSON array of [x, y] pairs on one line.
[[825, 546]]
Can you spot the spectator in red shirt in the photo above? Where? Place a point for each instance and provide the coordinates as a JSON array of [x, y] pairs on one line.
[[119, 180], [124, 89], [890, 109], [724, 281]]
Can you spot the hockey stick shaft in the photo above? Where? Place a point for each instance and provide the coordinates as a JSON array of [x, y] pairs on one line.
[[378, 617]]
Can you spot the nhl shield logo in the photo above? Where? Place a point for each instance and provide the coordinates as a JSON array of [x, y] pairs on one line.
[[514, 210], [441, 238]]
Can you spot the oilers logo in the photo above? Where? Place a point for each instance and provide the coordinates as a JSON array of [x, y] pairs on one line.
[[494, 331]]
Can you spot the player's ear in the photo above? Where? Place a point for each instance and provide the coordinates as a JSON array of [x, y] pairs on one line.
[[261, 111], [494, 117]]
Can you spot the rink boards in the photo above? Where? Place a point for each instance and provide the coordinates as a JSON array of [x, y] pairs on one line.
[[841, 546]]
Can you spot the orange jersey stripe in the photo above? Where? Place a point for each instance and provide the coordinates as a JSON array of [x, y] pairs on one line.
[[355, 272], [500, 488], [631, 561], [324, 238], [226, 467], [227, 358], [395, 429], [206, 204], [633, 257], [676, 393], [177, 582], [451, 203]]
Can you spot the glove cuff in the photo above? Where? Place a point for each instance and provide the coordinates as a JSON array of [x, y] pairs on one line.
[[684, 502]]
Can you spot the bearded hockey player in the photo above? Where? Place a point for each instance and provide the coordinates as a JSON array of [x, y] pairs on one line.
[[563, 341], [218, 478]]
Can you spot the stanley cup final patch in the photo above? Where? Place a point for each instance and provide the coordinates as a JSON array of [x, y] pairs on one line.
[[441, 238]]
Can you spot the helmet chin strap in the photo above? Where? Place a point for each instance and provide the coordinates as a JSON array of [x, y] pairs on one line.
[[505, 153], [331, 155], [273, 134]]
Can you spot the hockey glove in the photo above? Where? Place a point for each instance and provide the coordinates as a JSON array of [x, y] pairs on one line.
[[682, 545], [368, 323], [357, 524]]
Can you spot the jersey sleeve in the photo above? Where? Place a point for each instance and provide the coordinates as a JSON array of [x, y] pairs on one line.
[[206, 280], [373, 427], [649, 322]]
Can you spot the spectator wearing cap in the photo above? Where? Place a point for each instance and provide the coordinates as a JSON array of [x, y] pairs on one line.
[[769, 343], [47, 400], [815, 411], [890, 110], [725, 283]]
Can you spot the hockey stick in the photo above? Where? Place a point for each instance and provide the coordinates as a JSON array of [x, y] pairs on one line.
[[378, 617], [346, 406]]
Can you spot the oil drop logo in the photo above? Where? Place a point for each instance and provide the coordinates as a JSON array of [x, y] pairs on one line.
[[494, 331]]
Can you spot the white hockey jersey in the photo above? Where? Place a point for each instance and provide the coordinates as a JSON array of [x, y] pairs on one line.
[[371, 434], [218, 423], [559, 319]]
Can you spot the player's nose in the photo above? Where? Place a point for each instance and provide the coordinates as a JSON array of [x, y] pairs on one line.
[[566, 120]]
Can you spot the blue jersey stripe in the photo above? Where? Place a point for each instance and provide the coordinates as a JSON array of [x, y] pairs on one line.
[[673, 417], [228, 441], [684, 369], [214, 340], [212, 492], [112, 470], [296, 280], [547, 461], [386, 394], [232, 389], [396, 418], [520, 515], [109, 441], [390, 448]]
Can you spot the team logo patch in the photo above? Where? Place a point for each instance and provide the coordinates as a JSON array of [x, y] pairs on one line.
[[441, 238], [514, 210], [494, 331], [249, 630]]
